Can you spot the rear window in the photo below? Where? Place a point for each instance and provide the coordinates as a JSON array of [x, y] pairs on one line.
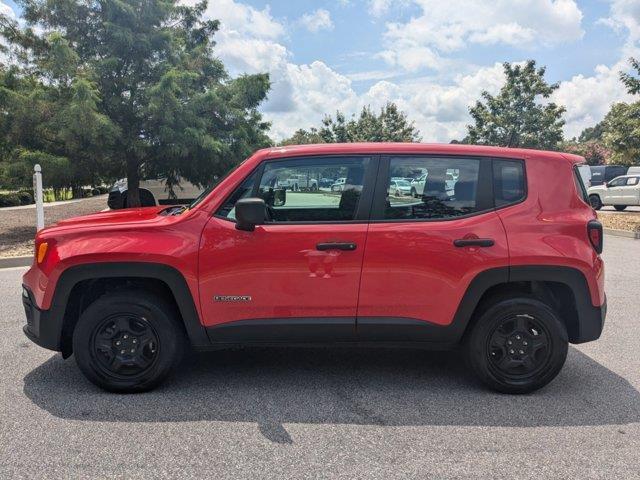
[[508, 182], [580, 188]]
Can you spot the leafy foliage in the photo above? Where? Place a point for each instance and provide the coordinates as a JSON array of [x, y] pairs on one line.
[[518, 116], [126, 87], [622, 134], [390, 125], [594, 151], [630, 81]]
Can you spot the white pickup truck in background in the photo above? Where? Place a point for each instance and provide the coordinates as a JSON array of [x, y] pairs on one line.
[[621, 192]]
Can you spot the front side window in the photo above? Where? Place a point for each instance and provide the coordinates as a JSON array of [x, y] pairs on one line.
[[316, 189], [617, 182], [431, 187]]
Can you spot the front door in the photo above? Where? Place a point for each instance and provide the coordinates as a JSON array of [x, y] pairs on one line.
[[614, 194], [296, 277], [422, 253]]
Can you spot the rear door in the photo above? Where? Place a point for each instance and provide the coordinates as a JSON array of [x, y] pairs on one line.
[[422, 253], [296, 277]]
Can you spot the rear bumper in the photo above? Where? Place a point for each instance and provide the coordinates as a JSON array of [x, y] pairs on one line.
[[591, 323], [42, 328]]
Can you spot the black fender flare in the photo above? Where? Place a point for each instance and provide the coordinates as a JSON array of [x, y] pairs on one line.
[[174, 280], [590, 319]]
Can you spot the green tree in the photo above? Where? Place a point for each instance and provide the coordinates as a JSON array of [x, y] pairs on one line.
[[133, 87], [520, 115], [593, 151], [622, 134], [622, 123], [390, 125], [630, 80]]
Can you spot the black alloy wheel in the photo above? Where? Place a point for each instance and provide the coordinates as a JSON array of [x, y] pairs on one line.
[[516, 345], [125, 345], [129, 341], [519, 346]]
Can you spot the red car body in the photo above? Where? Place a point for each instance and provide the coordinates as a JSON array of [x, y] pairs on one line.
[[407, 272]]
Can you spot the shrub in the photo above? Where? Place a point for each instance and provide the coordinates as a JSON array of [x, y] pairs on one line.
[[9, 200], [26, 197]]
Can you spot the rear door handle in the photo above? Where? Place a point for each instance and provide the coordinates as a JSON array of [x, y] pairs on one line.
[[336, 246], [474, 242]]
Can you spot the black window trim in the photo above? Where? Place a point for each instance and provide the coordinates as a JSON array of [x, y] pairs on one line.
[[485, 193], [363, 212]]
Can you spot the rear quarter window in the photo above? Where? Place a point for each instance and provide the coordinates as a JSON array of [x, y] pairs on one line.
[[580, 188], [508, 182]]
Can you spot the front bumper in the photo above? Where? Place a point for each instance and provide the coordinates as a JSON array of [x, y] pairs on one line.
[[41, 328]]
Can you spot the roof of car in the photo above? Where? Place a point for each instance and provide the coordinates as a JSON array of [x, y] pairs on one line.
[[419, 148]]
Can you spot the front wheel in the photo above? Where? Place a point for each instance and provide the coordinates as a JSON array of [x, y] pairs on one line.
[[128, 341], [517, 345], [414, 193], [619, 207], [595, 202]]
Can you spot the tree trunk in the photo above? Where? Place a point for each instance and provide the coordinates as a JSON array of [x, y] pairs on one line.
[[133, 184]]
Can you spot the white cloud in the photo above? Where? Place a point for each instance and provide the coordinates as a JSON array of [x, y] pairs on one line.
[[316, 21], [445, 26], [7, 11], [589, 98], [252, 40], [244, 19]]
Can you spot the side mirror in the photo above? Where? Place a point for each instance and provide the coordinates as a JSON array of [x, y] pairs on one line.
[[249, 213]]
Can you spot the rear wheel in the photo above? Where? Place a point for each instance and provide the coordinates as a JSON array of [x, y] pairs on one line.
[[595, 202], [619, 207], [128, 341], [517, 345], [414, 193]]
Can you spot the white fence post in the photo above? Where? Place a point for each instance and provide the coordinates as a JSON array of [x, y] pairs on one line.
[[37, 193]]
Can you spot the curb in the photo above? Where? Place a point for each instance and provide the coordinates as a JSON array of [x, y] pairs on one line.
[[16, 262], [621, 233]]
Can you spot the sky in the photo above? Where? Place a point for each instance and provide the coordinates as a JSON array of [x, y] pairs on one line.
[[431, 57]]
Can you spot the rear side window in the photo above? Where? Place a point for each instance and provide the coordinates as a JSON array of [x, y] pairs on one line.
[[632, 181], [431, 188], [508, 182]]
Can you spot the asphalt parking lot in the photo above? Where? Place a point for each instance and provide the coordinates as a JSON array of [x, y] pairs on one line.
[[328, 413]]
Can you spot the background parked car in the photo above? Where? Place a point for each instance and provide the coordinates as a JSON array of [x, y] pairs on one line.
[[620, 192], [338, 186], [399, 188]]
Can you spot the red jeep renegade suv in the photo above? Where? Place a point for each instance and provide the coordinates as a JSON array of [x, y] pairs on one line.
[[496, 250]]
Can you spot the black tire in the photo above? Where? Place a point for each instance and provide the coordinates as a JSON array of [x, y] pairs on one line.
[[619, 207], [414, 193], [536, 352], [595, 202], [144, 325]]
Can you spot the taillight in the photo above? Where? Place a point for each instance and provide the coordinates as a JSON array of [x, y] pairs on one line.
[[594, 230]]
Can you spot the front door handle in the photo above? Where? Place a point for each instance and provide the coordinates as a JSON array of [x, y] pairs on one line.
[[349, 246], [474, 242]]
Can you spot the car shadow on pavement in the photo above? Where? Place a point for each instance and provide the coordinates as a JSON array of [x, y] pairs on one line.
[[276, 386]]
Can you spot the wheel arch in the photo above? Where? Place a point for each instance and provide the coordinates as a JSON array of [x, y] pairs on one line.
[[81, 284], [564, 288]]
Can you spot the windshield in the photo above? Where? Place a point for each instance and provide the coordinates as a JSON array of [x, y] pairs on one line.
[[208, 190]]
